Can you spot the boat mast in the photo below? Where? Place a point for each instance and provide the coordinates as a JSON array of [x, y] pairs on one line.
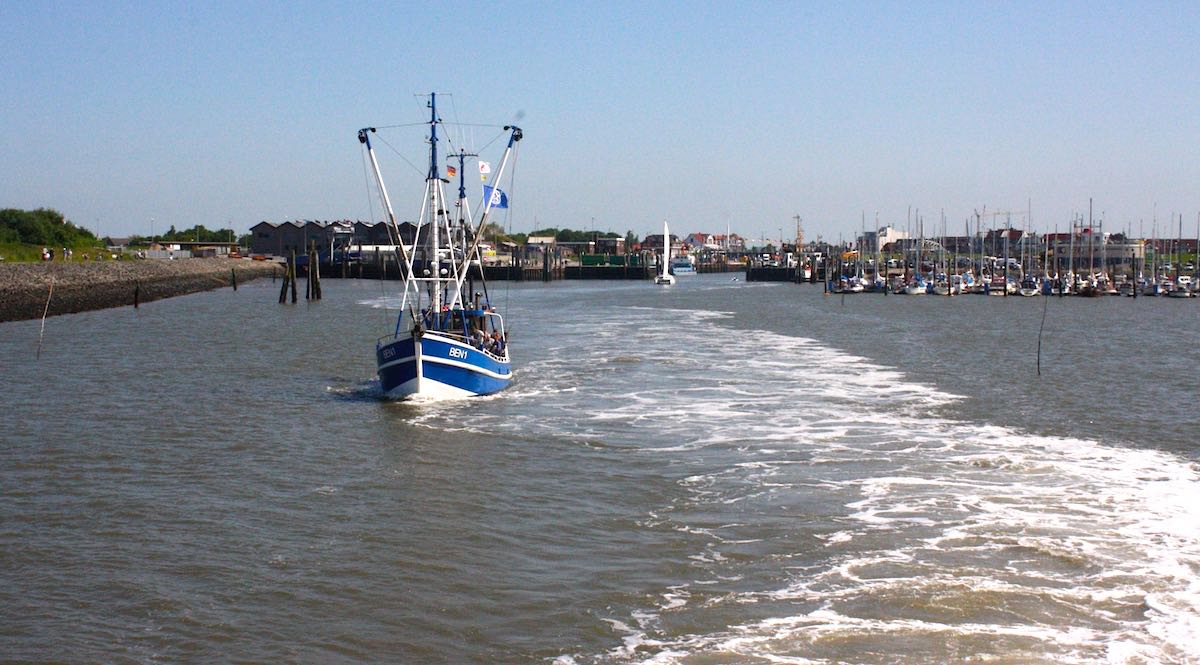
[[1179, 252], [1091, 245], [515, 135], [464, 216], [432, 185]]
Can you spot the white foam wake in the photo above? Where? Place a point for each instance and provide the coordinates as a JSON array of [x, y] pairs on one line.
[[905, 525]]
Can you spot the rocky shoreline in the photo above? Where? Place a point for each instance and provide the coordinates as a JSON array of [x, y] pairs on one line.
[[87, 285]]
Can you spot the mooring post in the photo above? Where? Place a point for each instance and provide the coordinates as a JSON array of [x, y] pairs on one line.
[[314, 269], [308, 277], [292, 275], [137, 293], [233, 277]]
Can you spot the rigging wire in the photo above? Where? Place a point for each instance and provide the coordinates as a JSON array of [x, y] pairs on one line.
[[371, 210], [399, 154], [512, 179]]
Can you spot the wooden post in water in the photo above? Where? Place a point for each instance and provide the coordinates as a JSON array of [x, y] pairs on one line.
[[308, 280], [287, 280], [283, 287], [314, 267], [137, 293], [292, 276], [233, 277]]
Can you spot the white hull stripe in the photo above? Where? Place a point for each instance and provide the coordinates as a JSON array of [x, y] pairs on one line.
[[474, 368]]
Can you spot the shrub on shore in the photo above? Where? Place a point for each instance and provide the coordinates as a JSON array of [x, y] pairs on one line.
[[23, 234]]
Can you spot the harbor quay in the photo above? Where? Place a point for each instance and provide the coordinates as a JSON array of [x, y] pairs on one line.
[[34, 290], [384, 266]]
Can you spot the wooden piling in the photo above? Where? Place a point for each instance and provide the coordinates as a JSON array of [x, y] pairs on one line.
[[315, 266], [308, 278], [289, 279]]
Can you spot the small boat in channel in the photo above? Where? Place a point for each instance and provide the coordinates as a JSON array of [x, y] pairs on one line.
[[448, 341]]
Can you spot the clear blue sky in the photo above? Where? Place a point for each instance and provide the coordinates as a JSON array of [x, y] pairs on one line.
[[703, 114]]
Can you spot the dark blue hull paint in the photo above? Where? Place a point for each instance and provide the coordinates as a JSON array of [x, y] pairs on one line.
[[466, 378]]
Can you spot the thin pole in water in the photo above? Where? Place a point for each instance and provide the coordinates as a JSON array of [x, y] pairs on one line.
[[1040, 329], [44, 313]]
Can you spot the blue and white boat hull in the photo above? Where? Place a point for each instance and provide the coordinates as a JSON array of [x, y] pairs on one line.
[[438, 367]]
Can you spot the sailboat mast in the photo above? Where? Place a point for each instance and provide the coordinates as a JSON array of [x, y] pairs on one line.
[[1179, 251]]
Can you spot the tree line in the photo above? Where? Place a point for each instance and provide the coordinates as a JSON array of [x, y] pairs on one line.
[[198, 233], [44, 227], [494, 232]]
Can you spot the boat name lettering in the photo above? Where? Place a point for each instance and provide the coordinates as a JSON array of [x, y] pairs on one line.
[[456, 352]]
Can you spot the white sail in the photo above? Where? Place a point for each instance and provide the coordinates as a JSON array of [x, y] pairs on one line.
[[666, 278]]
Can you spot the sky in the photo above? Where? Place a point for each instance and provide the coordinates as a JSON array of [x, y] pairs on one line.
[[132, 117]]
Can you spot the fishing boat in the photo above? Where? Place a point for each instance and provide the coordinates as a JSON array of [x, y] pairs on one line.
[[665, 278], [449, 341]]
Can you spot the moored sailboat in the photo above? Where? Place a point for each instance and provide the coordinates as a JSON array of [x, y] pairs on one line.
[[665, 278]]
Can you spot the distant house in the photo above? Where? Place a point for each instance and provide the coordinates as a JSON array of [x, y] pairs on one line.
[[654, 242], [274, 239], [714, 242], [115, 244], [869, 241], [282, 238], [957, 244], [997, 240], [610, 245]]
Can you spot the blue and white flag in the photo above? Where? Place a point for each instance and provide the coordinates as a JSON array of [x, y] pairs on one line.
[[498, 198]]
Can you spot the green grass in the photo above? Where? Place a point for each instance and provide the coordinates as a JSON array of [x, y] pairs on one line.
[[22, 253]]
